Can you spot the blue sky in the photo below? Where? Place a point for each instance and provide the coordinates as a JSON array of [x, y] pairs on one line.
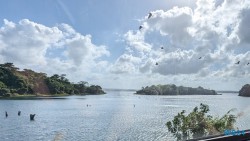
[[99, 41], [101, 19]]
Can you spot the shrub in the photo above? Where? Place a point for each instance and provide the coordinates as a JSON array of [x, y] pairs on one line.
[[4, 91], [198, 123]]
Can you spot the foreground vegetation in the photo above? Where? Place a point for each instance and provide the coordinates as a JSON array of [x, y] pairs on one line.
[[174, 90], [15, 83], [198, 123]]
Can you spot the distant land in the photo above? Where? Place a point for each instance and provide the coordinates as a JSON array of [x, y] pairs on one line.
[[172, 89], [133, 90], [14, 82], [227, 91], [245, 90], [115, 89]]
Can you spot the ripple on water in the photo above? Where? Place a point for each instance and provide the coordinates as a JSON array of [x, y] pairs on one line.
[[111, 117]]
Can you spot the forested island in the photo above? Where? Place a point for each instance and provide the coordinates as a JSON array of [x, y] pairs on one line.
[[27, 82], [172, 89], [245, 90]]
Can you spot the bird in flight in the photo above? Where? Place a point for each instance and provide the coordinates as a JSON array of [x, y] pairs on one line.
[[140, 27], [38, 29], [162, 48], [156, 63], [200, 57], [248, 63], [238, 62], [149, 15]]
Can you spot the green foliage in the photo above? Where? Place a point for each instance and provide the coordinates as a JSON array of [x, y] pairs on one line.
[[29, 82], [2, 85], [94, 89], [9, 79], [9, 66], [4, 91], [59, 84], [198, 123], [174, 90], [80, 87]]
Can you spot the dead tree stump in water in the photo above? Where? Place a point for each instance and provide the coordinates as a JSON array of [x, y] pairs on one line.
[[19, 113], [32, 116]]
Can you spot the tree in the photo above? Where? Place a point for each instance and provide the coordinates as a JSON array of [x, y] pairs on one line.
[[55, 76], [4, 91], [63, 77], [94, 89], [81, 86], [83, 83], [198, 123], [9, 66]]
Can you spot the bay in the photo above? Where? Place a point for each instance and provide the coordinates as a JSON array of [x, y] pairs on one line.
[[117, 115]]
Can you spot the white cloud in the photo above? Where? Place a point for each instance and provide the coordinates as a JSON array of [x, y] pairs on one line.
[[244, 27], [136, 41], [174, 23], [81, 48], [125, 64], [23, 42], [58, 49], [216, 31]]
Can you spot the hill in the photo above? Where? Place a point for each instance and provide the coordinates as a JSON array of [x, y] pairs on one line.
[[13, 81]]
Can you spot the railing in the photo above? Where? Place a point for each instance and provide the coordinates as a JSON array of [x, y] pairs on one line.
[[222, 137]]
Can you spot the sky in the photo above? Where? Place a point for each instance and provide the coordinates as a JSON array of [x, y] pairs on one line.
[[100, 41]]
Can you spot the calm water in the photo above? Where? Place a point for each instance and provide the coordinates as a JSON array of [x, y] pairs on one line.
[[110, 117]]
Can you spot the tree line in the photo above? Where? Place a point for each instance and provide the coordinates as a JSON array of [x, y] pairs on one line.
[[172, 89]]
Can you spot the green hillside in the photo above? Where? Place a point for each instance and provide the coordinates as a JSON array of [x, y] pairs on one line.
[[16, 82]]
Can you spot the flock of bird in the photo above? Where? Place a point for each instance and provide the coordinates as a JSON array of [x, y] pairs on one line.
[[32, 116], [150, 15], [239, 63]]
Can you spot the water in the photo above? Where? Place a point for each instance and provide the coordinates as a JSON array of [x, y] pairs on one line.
[[110, 117]]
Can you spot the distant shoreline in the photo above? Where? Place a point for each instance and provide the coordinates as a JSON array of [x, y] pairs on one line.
[[24, 97], [41, 96], [111, 89], [218, 93], [59, 96], [227, 91]]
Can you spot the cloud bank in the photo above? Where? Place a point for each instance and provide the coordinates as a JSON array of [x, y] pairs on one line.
[[218, 33], [58, 49]]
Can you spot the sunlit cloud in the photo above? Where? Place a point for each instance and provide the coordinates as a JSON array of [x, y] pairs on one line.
[[50, 49]]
